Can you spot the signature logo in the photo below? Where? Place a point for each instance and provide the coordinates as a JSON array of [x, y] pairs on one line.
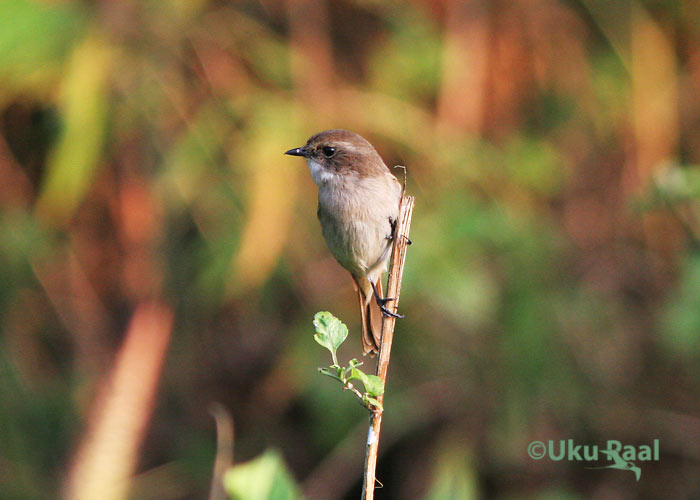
[[622, 457], [620, 463]]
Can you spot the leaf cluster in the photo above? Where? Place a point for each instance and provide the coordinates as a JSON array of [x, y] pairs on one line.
[[331, 333]]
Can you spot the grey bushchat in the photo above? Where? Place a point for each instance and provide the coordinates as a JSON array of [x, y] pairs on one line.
[[358, 204]]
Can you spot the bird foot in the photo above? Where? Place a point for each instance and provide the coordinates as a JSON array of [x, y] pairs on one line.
[[382, 301], [387, 312]]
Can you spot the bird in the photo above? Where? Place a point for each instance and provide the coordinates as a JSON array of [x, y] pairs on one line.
[[619, 463], [358, 206]]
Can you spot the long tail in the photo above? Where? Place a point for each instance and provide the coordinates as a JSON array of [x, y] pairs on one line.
[[370, 314]]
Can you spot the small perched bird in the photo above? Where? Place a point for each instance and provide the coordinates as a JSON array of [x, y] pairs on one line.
[[358, 204]]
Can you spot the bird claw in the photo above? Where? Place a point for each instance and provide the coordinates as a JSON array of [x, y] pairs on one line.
[[387, 312], [381, 302]]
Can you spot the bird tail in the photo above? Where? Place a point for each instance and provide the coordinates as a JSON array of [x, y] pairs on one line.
[[370, 314]]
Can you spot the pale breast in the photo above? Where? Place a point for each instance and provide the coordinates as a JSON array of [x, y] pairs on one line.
[[356, 217]]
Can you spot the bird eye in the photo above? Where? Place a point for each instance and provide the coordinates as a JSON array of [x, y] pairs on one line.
[[328, 151]]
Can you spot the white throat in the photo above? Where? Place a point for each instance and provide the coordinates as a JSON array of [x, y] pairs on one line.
[[320, 174]]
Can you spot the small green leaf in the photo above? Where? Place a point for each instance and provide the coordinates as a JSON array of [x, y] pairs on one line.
[[354, 363], [351, 365], [372, 401], [331, 373], [330, 332], [357, 374], [374, 385]]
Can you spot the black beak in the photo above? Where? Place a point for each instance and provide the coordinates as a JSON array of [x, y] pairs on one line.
[[296, 152]]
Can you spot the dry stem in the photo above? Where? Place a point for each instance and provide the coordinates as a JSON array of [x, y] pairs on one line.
[[398, 258]]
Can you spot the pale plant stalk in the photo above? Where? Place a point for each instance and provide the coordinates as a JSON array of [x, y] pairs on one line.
[[398, 259], [108, 455]]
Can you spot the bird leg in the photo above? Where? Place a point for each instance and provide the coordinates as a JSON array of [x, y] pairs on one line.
[[381, 302], [390, 237]]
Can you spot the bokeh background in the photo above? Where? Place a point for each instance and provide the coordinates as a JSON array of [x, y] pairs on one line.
[[158, 253]]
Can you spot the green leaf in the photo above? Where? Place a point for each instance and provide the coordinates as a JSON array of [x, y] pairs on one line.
[[374, 385], [331, 373], [351, 365], [358, 374], [372, 401], [354, 362], [330, 332], [264, 478]]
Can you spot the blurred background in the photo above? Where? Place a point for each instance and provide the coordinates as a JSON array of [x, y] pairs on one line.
[[158, 253]]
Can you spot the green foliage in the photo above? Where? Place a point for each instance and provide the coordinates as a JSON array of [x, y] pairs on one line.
[[264, 478], [454, 477], [552, 493], [672, 186], [34, 39], [681, 319], [76, 157], [407, 65], [331, 333], [534, 165]]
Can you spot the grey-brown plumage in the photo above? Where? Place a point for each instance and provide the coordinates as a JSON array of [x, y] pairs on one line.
[[358, 204]]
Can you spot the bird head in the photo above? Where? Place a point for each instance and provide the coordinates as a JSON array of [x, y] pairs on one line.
[[337, 153]]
